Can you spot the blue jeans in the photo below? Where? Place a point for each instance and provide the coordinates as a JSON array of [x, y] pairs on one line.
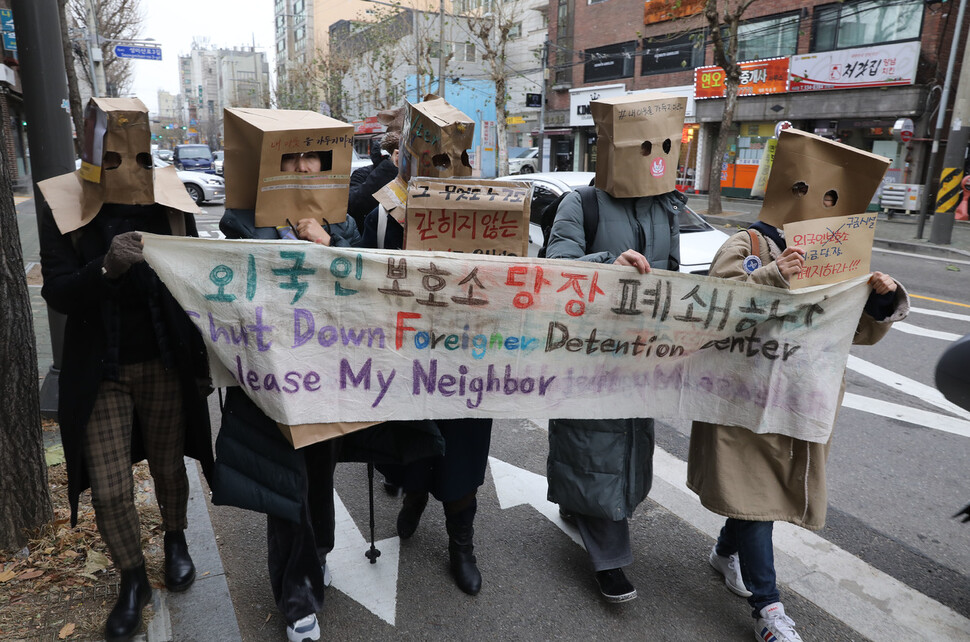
[[752, 542]]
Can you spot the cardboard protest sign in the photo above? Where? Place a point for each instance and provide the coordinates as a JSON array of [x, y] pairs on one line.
[[116, 167], [813, 177], [317, 334], [435, 140], [473, 216], [259, 142], [836, 249], [638, 143]]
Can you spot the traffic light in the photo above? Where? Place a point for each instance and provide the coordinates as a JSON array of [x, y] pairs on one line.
[[184, 128]]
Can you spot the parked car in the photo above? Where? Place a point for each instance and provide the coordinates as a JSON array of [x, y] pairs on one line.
[[699, 240], [197, 157], [357, 161], [164, 154], [523, 160], [217, 158]]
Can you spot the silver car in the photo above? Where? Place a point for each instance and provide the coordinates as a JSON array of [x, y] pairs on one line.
[[699, 240]]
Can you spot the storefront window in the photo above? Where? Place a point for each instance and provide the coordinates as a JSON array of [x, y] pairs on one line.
[[842, 26], [664, 54], [768, 37], [740, 163], [610, 62]]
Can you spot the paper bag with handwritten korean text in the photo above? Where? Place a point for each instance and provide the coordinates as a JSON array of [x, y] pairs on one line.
[[638, 143], [257, 140]]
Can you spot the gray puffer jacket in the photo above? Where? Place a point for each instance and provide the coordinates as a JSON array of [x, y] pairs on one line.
[[604, 467]]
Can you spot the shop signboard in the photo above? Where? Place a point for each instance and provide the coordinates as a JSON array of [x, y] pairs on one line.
[[9, 41], [655, 11], [876, 66], [6, 19], [758, 77], [579, 99]]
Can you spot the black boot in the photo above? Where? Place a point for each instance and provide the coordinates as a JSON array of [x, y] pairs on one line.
[[460, 548], [125, 618], [179, 569], [410, 515]]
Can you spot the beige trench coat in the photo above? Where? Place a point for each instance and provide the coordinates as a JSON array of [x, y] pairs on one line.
[[768, 477]]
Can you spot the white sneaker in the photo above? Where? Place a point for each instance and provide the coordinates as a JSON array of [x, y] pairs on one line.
[[775, 626], [730, 568], [304, 629], [327, 580]]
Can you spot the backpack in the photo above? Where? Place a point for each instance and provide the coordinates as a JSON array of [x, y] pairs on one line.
[[591, 217]]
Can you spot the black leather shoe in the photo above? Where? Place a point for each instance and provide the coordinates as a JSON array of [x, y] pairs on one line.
[[125, 618], [179, 569], [614, 586], [410, 515]]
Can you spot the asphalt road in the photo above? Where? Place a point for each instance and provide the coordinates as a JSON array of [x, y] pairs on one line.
[[897, 472]]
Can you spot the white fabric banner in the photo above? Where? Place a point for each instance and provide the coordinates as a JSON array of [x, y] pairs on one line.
[[317, 334]]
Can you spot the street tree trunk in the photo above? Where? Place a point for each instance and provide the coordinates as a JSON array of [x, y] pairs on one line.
[[24, 495]]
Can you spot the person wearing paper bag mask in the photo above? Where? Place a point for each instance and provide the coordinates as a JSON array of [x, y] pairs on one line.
[[134, 375], [757, 479], [638, 145], [432, 143], [298, 497]]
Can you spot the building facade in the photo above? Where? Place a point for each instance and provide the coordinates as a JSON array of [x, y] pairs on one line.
[[845, 70], [213, 79], [15, 153]]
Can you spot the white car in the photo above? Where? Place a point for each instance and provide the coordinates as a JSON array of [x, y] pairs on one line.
[[523, 160], [201, 186], [699, 240]]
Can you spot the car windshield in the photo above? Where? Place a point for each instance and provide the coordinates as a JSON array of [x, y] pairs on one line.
[[521, 152], [200, 151], [690, 221], [217, 155]]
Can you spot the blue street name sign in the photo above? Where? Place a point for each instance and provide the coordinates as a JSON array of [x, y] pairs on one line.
[[141, 53], [6, 19]]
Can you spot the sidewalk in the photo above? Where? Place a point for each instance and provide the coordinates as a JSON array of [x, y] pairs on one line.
[[896, 232], [206, 609]]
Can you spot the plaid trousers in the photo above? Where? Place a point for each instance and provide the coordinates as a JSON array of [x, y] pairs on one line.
[[153, 394]]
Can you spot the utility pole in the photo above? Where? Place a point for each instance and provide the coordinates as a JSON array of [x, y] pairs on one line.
[[940, 117], [954, 158], [44, 80], [99, 85], [543, 155], [441, 49]]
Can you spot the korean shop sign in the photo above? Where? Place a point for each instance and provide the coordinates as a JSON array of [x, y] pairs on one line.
[[877, 66], [758, 77]]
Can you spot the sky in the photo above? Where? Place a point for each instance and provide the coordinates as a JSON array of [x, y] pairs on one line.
[[175, 23]]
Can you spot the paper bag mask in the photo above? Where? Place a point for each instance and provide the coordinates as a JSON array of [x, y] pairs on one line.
[[116, 167], [263, 171], [435, 140], [638, 143], [813, 177]]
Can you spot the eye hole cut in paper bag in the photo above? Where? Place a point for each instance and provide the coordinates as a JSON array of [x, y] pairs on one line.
[[638, 143], [468, 215], [258, 178], [813, 177]]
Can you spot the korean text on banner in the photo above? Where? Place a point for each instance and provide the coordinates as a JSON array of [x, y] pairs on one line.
[[318, 334]]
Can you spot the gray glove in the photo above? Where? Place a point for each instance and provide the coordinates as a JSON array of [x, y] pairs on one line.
[[125, 251]]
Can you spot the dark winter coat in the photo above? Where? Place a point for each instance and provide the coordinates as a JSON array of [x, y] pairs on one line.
[[361, 199], [604, 467], [75, 286]]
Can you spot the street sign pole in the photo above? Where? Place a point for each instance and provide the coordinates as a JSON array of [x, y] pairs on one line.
[[44, 80]]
